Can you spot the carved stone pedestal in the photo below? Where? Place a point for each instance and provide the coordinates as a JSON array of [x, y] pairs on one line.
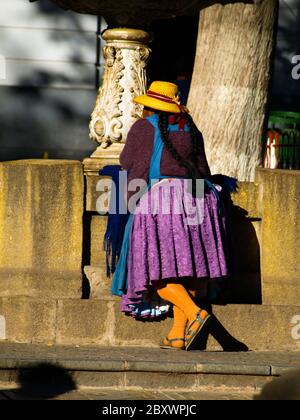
[[126, 55], [107, 156]]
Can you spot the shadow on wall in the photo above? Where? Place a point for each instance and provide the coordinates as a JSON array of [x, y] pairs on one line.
[[245, 284], [47, 108], [74, 20], [38, 120]]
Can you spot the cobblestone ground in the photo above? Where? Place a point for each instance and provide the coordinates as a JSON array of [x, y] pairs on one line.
[[8, 392]]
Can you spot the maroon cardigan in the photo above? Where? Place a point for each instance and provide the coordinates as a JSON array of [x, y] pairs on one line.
[[136, 155]]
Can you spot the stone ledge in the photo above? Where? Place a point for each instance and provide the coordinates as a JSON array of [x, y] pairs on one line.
[[29, 320], [139, 359]]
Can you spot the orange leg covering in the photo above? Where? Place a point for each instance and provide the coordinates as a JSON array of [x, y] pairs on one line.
[[185, 309], [180, 321]]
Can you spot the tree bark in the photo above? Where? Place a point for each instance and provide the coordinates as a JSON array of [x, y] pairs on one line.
[[230, 84]]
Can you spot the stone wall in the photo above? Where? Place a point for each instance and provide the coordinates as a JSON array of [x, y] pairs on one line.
[[41, 210]]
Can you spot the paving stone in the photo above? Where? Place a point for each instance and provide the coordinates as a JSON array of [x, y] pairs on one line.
[[122, 395], [99, 379]]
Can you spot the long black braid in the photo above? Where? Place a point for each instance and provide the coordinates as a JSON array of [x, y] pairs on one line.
[[192, 170]]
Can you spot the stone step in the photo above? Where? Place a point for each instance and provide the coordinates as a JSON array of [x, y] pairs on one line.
[[139, 368], [52, 284], [99, 322]]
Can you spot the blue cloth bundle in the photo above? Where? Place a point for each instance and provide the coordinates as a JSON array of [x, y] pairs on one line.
[[117, 221]]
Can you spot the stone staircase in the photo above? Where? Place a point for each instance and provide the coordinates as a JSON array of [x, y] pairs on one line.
[[144, 370], [55, 256], [69, 320]]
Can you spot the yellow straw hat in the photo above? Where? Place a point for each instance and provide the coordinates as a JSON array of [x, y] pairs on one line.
[[162, 96]]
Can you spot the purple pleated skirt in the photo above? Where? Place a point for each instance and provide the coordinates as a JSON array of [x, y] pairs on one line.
[[174, 236]]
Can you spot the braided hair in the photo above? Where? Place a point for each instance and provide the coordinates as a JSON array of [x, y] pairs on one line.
[[191, 166]]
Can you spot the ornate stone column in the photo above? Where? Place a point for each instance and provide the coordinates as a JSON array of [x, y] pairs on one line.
[[126, 55]]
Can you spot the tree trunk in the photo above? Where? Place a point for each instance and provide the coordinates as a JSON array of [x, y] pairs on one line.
[[230, 84]]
